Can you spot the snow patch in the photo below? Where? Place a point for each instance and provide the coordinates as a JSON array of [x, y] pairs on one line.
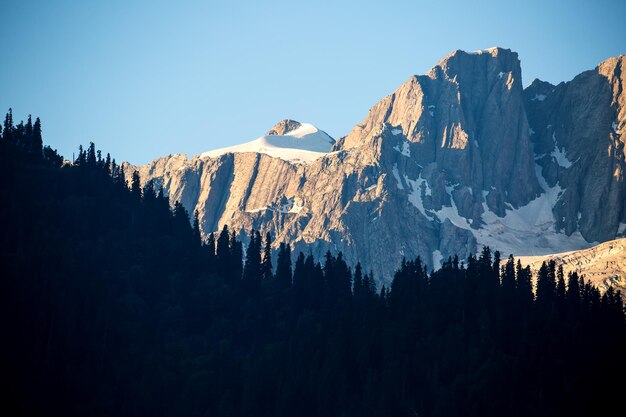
[[256, 210], [538, 97], [484, 51], [621, 228], [437, 259], [304, 145], [415, 196], [396, 175], [406, 150], [288, 206], [559, 154], [396, 132], [527, 230]]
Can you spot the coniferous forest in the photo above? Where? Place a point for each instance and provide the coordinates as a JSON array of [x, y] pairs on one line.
[[113, 305]]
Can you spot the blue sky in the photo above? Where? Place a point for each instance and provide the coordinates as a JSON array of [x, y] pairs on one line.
[[144, 79]]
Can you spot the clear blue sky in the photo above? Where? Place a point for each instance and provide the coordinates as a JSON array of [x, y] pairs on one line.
[[144, 79]]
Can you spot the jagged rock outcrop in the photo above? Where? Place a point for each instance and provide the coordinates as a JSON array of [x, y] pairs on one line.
[[466, 117], [577, 135], [446, 163], [603, 265], [283, 127]]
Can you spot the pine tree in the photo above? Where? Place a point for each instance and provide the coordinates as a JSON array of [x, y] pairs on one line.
[[266, 263], [149, 195], [341, 281], [28, 135], [524, 284], [560, 284], [7, 134], [283, 266], [121, 178], [108, 167], [223, 253], [508, 278], [114, 170], [180, 213], [135, 186], [545, 285], [91, 155], [358, 281], [369, 285], [81, 156], [573, 289], [196, 227], [210, 245], [252, 267], [300, 283], [236, 258], [37, 140]]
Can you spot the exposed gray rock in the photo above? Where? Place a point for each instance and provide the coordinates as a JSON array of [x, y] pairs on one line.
[[441, 166], [283, 127], [579, 144]]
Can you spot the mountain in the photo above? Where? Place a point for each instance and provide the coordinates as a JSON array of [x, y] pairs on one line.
[[461, 157], [288, 140], [603, 265]]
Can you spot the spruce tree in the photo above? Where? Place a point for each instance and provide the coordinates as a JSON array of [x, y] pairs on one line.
[[560, 284], [508, 278], [223, 253], [252, 266], [236, 258], [545, 285], [358, 281], [135, 186], [7, 134], [266, 263], [149, 195], [524, 284], [28, 135], [283, 265], [91, 155], [299, 273], [197, 235], [81, 156], [369, 285], [210, 246], [107, 164], [573, 289]]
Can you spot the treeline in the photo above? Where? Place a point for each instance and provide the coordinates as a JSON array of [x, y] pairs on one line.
[[112, 304]]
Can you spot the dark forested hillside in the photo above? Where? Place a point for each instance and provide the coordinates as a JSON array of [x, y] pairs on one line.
[[112, 305]]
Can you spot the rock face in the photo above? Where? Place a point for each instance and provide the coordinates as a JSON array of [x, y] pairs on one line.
[[603, 265], [457, 158], [283, 127], [579, 144], [466, 118]]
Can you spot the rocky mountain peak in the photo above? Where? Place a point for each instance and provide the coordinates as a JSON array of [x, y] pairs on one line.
[[283, 127], [480, 69], [456, 158]]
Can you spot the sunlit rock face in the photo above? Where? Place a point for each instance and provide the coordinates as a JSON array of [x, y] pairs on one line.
[[454, 159]]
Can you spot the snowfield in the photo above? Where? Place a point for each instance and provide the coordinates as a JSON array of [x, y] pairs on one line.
[[304, 144]]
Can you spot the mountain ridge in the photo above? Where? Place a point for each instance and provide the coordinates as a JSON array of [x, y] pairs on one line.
[[452, 160]]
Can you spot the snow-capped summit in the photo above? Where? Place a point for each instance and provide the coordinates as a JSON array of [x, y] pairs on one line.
[[288, 140]]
